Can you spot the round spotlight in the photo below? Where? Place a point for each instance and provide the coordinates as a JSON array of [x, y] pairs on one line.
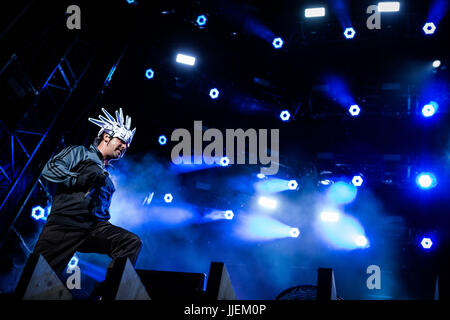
[[285, 115], [214, 93], [201, 20], [426, 180], [349, 33], [429, 28], [294, 233], [149, 73], [229, 215], [329, 216], [361, 241], [426, 243], [292, 184], [277, 43], [354, 110], [73, 262], [37, 212], [168, 198], [162, 140], [436, 63], [224, 161], [357, 181], [429, 109]]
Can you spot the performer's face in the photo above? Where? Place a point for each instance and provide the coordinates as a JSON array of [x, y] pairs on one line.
[[115, 148]]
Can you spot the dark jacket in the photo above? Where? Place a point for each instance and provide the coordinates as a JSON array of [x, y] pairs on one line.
[[72, 204]]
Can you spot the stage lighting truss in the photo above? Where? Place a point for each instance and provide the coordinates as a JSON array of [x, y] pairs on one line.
[[429, 28], [349, 33], [277, 43], [354, 110]]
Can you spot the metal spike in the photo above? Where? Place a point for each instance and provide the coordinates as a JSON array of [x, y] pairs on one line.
[[110, 117], [128, 125], [121, 117]]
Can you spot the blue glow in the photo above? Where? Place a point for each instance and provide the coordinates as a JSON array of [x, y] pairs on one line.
[[229, 214], [343, 233], [274, 185], [130, 1], [214, 93], [73, 262], [342, 192], [292, 184], [429, 109], [294, 233], [330, 216], [357, 181], [426, 180], [260, 228], [267, 202], [285, 115], [162, 140], [438, 10], [429, 28], [277, 43], [426, 243], [38, 213], [201, 20], [349, 33], [149, 73], [168, 197], [354, 110], [336, 88], [261, 175]]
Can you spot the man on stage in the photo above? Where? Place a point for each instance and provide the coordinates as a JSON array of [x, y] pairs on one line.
[[79, 215]]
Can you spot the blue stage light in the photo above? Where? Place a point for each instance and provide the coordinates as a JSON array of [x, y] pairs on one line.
[[185, 59], [294, 232], [266, 202], [285, 115], [38, 213], [342, 192], [168, 198], [73, 262], [429, 109], [436, 63], [429, 28], [261, 175], [354, 110], [214, 93], [357, 181], [224, 161], [329, 216], [277, 43], [292, 184], [201, 20], [426, 180], [426, 243], [349, 33], [130, 1], [149, 73], [361, 241], [229, 214], [162, 140]]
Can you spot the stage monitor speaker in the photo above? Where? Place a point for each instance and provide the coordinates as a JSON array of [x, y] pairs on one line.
[[326, 287], [123, 283], [219, 285], [162, 285], [38, 281]]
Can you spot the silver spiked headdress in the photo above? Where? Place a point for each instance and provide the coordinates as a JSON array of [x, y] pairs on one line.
[[116, 128]]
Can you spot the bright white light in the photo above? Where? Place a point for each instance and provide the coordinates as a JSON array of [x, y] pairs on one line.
[[224, 161], [325, 182], [73, 262], [361, 241], [426, 180], [314, 12], [229, 215], [294, 233], [349, 33], [261, 175], [37, 212], [162, 140], [214, 93], [181, 58], [168, 198], [357, 181], [292, 184], [285, 115], [354, 110], [149, 73], [277, 43], [428, 110], [393, 6], [429, 28], [267, 202], [426, 243], [201, 20], [329, 216], [436, 63]]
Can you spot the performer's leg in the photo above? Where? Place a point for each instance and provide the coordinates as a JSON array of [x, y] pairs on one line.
[[58, 243], [113, 241]]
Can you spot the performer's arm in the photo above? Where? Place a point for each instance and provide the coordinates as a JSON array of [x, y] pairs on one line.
[[57, 169]]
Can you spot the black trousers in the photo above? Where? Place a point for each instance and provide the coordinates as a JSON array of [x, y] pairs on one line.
[[58, 243]]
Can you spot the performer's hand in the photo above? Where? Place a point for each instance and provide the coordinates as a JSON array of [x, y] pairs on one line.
[[91, 179]]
